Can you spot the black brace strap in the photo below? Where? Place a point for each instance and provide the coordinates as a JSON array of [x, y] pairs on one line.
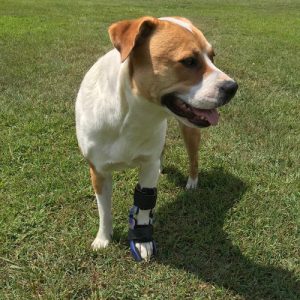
[[145, 198], [141, 233]]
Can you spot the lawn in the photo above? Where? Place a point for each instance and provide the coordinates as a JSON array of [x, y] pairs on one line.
[[235, 237]]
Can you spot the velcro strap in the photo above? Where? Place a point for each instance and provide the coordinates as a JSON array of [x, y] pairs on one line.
[[141, 233], [145, 198]]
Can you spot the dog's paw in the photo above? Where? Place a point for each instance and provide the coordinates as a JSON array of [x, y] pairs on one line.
[[100, 242], [145, 249], [192, 183]]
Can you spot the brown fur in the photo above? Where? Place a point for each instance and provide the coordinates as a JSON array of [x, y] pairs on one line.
[[156, 69], [156, 48], [156, 66], [191, 137], [125, 34], [97, 180]]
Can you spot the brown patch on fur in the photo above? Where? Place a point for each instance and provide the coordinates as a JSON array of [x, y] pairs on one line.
[[156, 63], [125, 35], [191, 137], [97, 180]]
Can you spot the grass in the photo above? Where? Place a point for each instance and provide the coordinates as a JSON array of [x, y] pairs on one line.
[[236, 237]]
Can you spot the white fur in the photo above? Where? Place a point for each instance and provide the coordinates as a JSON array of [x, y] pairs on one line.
[[105, 221], [179, 22], [204, 94], [116, 129], [192, 183]]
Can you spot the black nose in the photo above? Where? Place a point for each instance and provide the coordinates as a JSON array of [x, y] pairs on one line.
[[227, 91]]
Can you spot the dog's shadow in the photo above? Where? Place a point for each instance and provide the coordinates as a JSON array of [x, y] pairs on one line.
[[190, 234]]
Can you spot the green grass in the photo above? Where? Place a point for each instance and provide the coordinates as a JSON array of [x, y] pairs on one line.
[[236, 237]]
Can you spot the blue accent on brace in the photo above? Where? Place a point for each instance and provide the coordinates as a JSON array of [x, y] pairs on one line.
[[131, 220], [135, 253]]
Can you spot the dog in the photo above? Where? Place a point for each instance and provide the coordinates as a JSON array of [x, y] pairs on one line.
[[158, 67]]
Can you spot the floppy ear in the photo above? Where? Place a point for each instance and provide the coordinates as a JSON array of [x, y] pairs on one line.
[[126, 34], [211, 54]]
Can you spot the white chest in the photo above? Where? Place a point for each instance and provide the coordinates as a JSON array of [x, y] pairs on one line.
[[134, 146]]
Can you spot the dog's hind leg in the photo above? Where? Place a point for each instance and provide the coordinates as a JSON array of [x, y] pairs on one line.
[[103, 189], [191, 137], [142, 245]]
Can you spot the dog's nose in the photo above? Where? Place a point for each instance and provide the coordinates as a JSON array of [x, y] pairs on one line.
[[227, 91]]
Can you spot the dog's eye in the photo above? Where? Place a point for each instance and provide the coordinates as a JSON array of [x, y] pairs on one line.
[[190, 62]]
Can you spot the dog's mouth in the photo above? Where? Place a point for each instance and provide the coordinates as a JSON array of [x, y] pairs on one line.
[[196, 116]]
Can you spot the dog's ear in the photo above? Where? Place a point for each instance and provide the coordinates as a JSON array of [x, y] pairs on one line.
[[211, 54], [125, 35]]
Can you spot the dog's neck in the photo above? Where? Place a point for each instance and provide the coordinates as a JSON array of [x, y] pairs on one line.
[[137, 111]]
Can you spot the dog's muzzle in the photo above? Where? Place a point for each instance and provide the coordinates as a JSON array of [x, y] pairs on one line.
[[196, 116]]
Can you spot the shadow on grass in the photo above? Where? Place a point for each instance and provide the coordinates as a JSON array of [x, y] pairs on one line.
[[190, 235]]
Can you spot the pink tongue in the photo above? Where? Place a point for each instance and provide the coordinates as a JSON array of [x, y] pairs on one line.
[[211, 115]]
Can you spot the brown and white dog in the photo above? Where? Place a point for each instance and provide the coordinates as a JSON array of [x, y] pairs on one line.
[[159, 67]]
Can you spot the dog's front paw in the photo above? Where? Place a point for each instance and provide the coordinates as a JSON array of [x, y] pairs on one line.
[[145, 250], [100, 242], [192, 183]]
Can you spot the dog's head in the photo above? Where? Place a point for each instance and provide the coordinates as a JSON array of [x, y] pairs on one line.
[[171, 64]]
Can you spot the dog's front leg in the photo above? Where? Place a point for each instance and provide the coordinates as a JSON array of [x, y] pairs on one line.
[[140, 238], [103, 189]]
